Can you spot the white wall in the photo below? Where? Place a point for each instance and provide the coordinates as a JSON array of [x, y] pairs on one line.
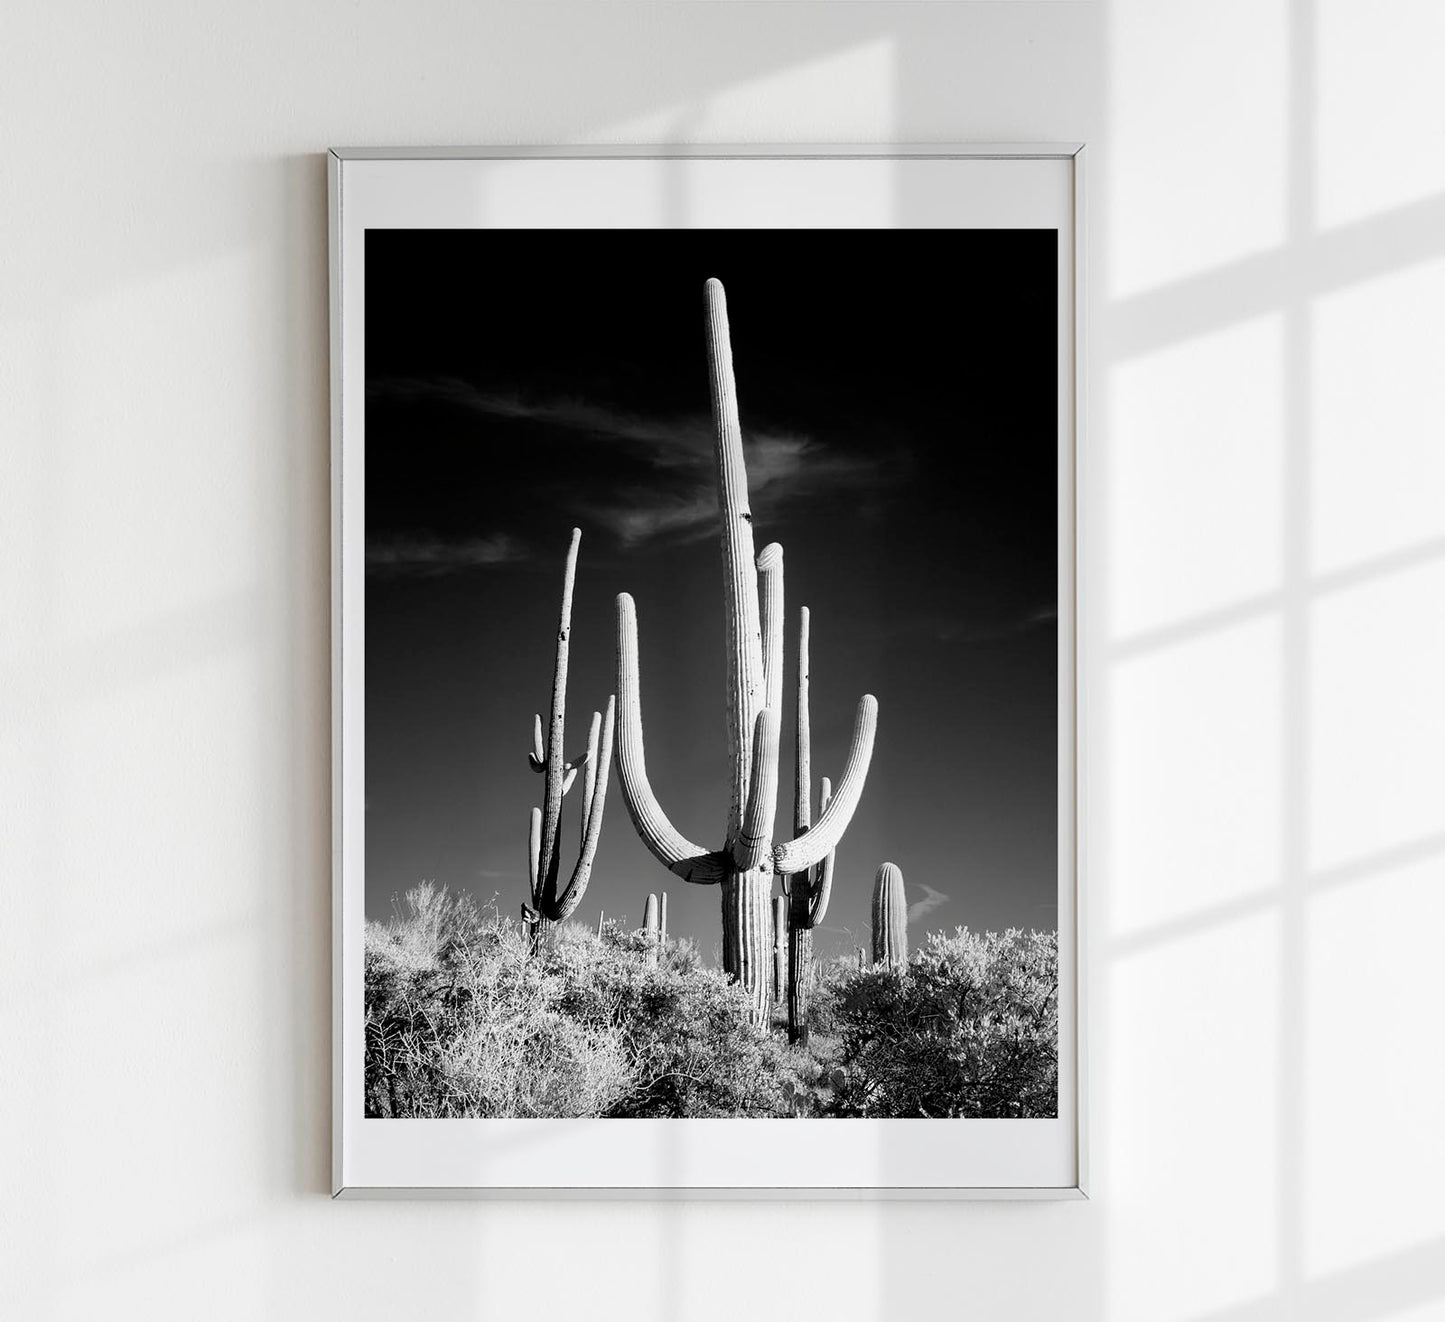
[[1264, 508]]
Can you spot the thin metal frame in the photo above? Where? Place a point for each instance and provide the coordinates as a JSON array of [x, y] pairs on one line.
[[1074, 152]]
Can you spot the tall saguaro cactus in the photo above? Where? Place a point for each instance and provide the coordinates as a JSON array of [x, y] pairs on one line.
[[890, 919], [548, 905], [807, 891], [753, 599]]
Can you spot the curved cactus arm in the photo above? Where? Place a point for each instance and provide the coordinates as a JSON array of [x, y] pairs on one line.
[[823, 887], [589, 778], [744, 630], [534, 851], [537, 758], [770, 591], [754, 839], [810, 848], [803, 737], [576, 888], [552, 797], [667, 844]]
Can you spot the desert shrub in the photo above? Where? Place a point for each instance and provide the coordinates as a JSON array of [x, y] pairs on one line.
[[971, 1029], [688, 1040], [460, 1022]]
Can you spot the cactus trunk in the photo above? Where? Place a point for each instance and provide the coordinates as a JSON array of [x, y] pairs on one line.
[[800, 959], [808, 891], [747, 917], [890, 919], [780, 948]]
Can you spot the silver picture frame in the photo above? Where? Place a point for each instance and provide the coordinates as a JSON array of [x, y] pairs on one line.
[[424, 187]]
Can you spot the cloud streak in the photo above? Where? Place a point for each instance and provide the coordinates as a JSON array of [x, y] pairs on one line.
[[426, 555], [931, 900], [681, 505]]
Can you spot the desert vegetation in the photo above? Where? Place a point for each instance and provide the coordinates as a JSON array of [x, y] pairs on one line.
[[464, 1019]]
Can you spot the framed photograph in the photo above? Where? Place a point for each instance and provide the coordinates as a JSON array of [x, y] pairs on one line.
[[705, 756]]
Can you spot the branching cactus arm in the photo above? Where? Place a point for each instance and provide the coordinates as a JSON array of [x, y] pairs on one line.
[[589, 774], [803, 738], [534, 854], [754, 842], [770, 587], [810, 848], [668, 845], [567, 902], [556, 772], [823, 887]]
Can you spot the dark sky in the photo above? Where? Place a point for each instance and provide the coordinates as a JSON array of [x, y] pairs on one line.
[[897, 393]]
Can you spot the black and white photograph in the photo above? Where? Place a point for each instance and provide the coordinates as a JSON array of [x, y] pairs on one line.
[[711, 696]]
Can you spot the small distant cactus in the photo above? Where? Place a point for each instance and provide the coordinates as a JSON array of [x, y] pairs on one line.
[[890, 919], [548, 904], [652, 930]]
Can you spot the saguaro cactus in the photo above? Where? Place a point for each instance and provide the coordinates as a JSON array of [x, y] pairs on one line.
[[807, 891], [890, 919], [651, 928], [548, 905], [753, 596]]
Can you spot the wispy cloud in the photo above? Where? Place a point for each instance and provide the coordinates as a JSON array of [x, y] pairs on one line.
[[682, 504], [931, 900], [424, 554], [955, 629]]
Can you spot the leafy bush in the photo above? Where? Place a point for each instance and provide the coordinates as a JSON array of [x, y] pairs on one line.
[[970, 1030], [460, 1022]]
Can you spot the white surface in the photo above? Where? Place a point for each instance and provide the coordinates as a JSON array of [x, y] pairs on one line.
[[893, 1155], [1266, 1067]]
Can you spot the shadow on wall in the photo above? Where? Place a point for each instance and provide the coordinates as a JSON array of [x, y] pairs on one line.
[[1263, 487]]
